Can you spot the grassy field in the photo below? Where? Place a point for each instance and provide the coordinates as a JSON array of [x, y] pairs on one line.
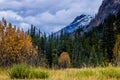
[[108, 73]]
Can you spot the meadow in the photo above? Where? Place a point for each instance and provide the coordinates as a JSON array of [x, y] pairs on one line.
[[99, 73]]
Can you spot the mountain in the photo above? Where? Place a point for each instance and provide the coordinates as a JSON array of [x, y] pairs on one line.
[[87, 22], [107, 7], [81, 21]]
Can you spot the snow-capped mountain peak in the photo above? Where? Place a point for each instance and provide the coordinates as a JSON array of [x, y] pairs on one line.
[[80, 21]]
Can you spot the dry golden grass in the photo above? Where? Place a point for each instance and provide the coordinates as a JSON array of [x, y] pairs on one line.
[[4, 74], [108, 73], [85, 74]]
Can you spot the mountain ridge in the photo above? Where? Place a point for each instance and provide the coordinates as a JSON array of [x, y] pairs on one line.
[[81, 21], [107, 7]]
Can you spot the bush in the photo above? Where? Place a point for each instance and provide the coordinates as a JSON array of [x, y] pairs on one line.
[[41, 74], [38, 74], [21, 71]]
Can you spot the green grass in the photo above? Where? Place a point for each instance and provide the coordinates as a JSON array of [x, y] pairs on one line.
[[99, 73], [22, 71], [110, 72]]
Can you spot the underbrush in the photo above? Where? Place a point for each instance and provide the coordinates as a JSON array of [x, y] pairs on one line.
[[22, 71]]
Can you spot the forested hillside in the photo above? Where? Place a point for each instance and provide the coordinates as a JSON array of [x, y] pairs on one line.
[[99, 47]]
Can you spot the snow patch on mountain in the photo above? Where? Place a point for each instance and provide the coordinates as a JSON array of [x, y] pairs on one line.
[[81, 21]]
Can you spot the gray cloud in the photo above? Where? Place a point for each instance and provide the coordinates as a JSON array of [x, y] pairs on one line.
[[49, 15]]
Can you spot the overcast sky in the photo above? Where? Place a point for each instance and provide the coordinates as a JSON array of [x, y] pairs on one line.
[[48, 15]]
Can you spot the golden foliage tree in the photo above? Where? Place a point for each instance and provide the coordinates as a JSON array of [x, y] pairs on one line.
[[116, 50], [64, 60], [15, 45]]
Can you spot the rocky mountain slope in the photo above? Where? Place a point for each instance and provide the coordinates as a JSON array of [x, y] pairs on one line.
[[81, 21], [86, 22], [107, 7]]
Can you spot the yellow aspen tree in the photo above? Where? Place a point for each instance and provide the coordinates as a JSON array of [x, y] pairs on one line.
[[15, 45], [64, 60], [116, 50]]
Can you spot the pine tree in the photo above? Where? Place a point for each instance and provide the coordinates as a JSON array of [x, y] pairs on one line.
[[108, 38]]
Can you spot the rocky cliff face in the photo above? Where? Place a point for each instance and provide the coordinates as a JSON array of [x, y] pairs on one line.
[[107, 7]]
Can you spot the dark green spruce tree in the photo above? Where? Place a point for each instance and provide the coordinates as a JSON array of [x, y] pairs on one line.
[[108, 36]]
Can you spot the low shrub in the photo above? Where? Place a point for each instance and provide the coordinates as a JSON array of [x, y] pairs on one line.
[[41, 74], [22, 71], [19, 71]]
